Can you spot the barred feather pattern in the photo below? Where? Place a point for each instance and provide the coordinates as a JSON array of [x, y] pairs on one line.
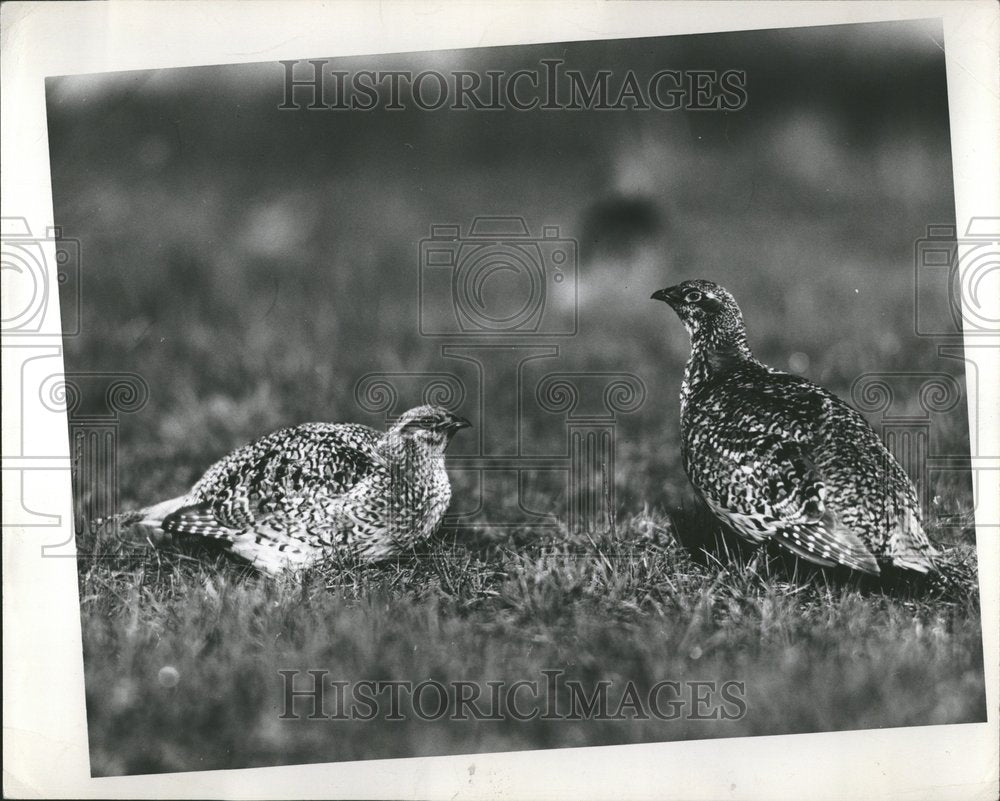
[[777, 457], [319, 490]]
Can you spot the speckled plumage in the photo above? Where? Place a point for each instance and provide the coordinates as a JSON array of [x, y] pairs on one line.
[[777, 457], [302, 494]]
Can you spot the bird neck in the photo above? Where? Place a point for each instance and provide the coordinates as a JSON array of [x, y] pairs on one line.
[[395, 449], [715, 351], [407, 457], [416, 484]]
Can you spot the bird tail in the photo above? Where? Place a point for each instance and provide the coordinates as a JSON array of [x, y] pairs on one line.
[[909, 547], [119, 520], [828, 541], [147, 523]]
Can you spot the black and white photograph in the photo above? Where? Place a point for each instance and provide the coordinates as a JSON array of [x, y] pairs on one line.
[[507, 398]]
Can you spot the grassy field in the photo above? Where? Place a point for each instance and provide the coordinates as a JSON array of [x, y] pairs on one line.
[[814, 652], [252, 265]]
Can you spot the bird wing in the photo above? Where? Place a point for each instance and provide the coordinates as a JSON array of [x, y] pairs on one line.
[[358, 521], [278, 473], [756, 463], [272, 541], [361, 521], [786, 503], [875, 492], [909, 546], [199, 520]]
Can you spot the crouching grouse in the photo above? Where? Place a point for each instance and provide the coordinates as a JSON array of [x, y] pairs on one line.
[[301, 494], [779, 458]]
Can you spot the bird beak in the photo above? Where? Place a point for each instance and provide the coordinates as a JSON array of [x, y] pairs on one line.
[[668, 295], [458, 423]]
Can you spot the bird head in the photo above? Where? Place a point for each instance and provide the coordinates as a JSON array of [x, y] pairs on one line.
[[433, 426], [709, 312]]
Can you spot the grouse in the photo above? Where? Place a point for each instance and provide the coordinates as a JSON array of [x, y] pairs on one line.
[[301, 494], [779, 458]]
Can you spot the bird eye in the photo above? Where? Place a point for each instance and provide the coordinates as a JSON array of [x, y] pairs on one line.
[[693, 296]]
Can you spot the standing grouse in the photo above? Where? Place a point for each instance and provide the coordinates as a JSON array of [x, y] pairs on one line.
[[300, 494], [777, 457]]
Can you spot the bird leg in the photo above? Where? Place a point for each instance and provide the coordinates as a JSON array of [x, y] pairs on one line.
[[757, 551]]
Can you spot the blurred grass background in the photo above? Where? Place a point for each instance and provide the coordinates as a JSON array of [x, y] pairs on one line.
[[253, 264]]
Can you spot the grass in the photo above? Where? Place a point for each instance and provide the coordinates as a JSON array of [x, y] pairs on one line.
[[252, 265], [818, 651]]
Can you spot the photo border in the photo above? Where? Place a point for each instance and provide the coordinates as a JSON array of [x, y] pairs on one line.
[[45, 745]]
